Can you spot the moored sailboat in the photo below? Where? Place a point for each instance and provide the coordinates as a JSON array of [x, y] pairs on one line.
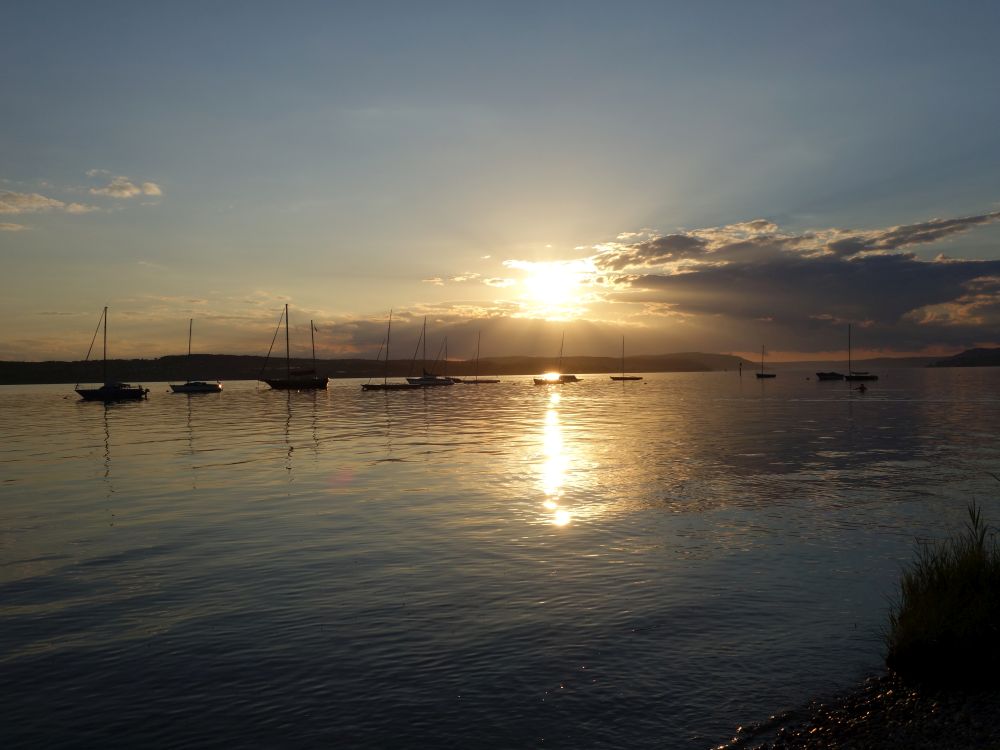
[[557, 377], [429, 379], [763, 374], [385, 385], [476, 380], [299, 379], [623, 376], [110, 391], [195, 386], [855, 375]]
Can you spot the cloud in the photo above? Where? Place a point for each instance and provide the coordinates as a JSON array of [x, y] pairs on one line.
[[28, 203], [123, 187], [807, 285], [435, 280], [500, 283], [8, 227]]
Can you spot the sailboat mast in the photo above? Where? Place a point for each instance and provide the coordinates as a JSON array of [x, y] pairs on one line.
[[445, 366], [848, 348], [190, 326], [105, 357], [423, 336], [623, 356], [762, 360], [385, 378], [288, 359], [563, 341], [479, 335], [312, 337]]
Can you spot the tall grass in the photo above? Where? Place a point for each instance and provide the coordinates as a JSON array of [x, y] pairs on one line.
[[945, 627]]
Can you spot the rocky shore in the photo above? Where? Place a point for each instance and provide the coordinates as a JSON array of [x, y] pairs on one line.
[[883, 713]]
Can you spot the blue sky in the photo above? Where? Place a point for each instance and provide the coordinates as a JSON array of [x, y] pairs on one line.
[[216, 160]]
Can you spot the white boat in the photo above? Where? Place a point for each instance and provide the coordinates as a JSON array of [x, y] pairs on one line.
[[111, 390], [195, 386], [429, 379]]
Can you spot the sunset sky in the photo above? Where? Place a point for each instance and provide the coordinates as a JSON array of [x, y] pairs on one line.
[[696, 176]]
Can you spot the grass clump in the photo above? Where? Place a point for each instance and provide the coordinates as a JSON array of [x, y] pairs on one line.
[[945, 627]]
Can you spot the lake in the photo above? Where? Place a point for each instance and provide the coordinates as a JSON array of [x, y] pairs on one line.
[[593, 565]]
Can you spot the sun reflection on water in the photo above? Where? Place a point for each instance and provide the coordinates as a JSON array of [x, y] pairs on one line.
[[555, 465]]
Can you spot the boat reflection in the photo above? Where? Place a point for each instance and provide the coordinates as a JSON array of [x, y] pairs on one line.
[[555, 466]]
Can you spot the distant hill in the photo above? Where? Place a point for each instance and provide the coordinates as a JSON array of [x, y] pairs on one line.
[[972, 358], [235, 367]]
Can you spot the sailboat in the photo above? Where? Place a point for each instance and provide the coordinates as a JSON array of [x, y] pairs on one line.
[[429, 379], [476, 380], [195, 386], [385, 385], [109, 391], [763, 374], [623, 376], [299, 379], [557, 377], [855, 375]]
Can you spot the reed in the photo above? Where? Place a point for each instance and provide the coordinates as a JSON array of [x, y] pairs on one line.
[[945, 625]]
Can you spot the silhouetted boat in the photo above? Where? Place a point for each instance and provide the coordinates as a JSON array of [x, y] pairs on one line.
[[385, 385], [476, 379], [623, 376], [429, 379], [829, 376], [855, 375], [763, 374], [110, 391], [557, 378], [195, 386], [300, 379]]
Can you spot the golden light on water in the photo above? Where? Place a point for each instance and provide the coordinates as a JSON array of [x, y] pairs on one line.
[[555, 465], [551, 376]]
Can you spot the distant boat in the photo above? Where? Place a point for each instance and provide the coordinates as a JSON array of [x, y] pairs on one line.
[[385, 385], [855, 375], [429, 379], [763, 374], [110, 391], [557, 377], [623, 376], [829, 376], [476, 380], [195, 386], [299, 379]]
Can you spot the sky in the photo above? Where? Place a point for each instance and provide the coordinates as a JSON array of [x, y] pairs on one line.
[[712, 176]]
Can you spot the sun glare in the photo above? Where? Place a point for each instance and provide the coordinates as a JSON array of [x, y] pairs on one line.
[[555, 290]]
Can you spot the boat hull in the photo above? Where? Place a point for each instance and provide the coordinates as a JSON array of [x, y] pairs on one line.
[[557, 381], [389, 387], [626, 377], [298, 384], [107, 393], [765, 375], [196, 387], [829, 376], [431, 381], [856, 376]]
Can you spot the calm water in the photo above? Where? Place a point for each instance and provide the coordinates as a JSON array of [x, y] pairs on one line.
[[501, 566]]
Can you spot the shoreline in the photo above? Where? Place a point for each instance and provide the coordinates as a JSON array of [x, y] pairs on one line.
[[883, 712]]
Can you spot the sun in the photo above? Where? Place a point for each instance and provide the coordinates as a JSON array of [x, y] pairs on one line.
[[552, 284], [555, 290]]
